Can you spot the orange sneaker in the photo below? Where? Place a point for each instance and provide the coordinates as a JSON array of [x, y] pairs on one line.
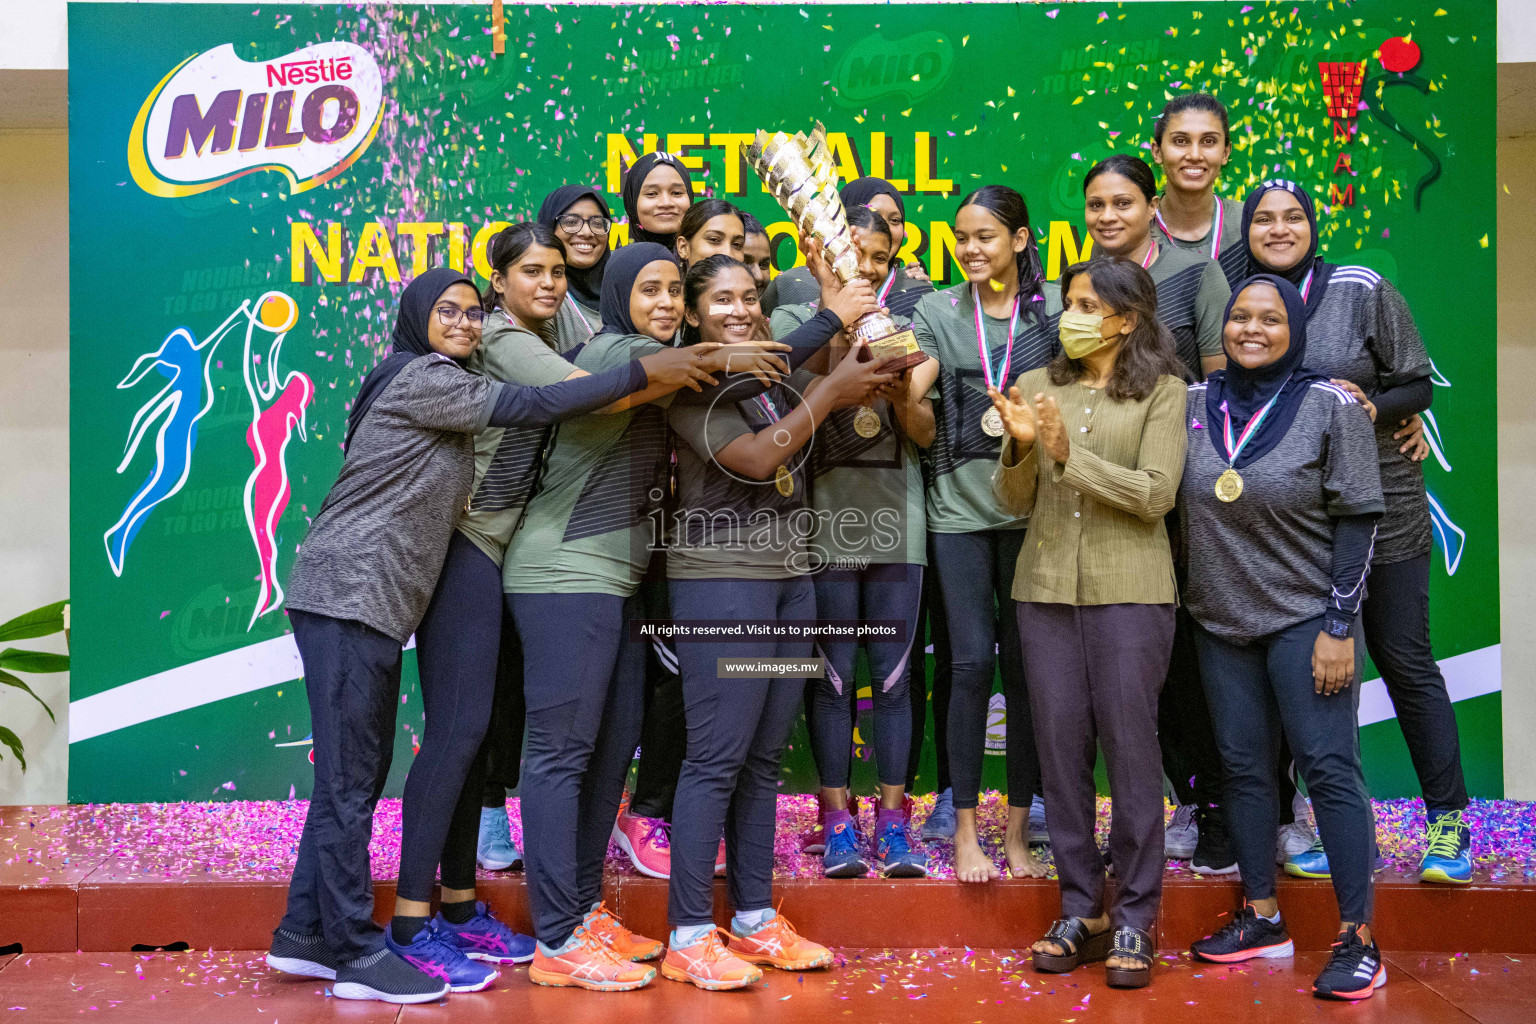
[[600, 921], [777, 944], [590, 965], [709, 965]]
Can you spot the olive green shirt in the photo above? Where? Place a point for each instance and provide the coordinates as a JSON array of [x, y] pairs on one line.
[[1096, 532], [507, 460]]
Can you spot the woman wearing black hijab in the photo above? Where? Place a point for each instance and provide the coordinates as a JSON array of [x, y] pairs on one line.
[[580, 218], [362, 581], [1279, 503], [1361, 333], [902, 287], [656, 192]]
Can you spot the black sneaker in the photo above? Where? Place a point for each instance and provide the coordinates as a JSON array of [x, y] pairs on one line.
[[1246, 937], [1213, 850], [1354, 971], [305, 955], [387, 978]]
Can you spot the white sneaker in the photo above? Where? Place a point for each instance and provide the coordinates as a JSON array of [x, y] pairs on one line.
[[1182, 833], [1294, 839]]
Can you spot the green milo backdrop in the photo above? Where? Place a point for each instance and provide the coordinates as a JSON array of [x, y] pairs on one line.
[[250, 186]]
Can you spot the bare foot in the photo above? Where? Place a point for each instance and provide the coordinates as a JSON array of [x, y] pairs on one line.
[[1124, 963], [1022, 862], [971, 865]]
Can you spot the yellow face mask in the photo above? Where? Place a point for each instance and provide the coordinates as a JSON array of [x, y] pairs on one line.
[[1081, 334]]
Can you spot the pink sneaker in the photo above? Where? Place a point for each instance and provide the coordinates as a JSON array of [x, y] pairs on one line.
[[720, 860], [646, 841]]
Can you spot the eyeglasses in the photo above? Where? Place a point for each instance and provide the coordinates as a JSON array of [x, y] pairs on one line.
[[448, 316], [572, 223]]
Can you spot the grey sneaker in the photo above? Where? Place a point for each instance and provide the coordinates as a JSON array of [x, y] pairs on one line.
[[1037, 831], [305, 955], [1294, 839], [1182, 834], [388, 978], [941, 823]]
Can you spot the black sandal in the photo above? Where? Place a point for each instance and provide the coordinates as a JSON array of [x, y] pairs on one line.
[[1130, 944], [1082, 948]]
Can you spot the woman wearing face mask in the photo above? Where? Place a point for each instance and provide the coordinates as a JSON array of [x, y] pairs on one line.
[[579, 217], [986, 330], [1192, 143], [1281, 496], [1094, 453], [571, 573], [737, 552], [902, 287], [656, 192], [359, 588], [1361, 333], [870, 542], [1119, 197]]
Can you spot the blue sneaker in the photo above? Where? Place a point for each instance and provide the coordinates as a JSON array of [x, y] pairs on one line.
[[495, 851], [895, 857], [941, 823], [842, 858], [1310, 863], [485, 938], [437, 956], [1037, 831], [1449, 856], [1314, 863]]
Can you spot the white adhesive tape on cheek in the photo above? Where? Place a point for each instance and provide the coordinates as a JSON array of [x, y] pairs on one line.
[[721, 310]]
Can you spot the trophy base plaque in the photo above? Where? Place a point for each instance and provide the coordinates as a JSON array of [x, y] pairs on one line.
[[894, 347]]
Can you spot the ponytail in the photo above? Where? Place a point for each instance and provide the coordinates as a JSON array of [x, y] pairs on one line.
[[1007, 205]]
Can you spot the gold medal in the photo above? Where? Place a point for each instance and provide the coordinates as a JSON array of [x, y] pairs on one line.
[[992, 422], [784, 480], [1229, 485], [865, 422]]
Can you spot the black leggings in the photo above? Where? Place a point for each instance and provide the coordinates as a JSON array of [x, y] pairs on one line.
[[930, 625], [877, 592], [585, 689], [501, 755], [664, 736], [457, 645], [975, 572], [1396, 620]]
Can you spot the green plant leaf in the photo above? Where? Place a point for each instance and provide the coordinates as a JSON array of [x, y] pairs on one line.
[[42, 622], [6, 679], [13, 741], [33, 661]]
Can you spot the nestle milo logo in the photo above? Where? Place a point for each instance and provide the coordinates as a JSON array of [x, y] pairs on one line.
[[913, 66]]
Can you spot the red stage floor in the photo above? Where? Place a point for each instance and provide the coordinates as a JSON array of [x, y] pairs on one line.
[[872, 986], [214, 875]]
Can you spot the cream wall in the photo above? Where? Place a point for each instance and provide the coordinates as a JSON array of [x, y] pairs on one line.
[[34, 374]]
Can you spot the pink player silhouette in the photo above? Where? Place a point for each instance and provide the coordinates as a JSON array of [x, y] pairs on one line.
[[278, 407]]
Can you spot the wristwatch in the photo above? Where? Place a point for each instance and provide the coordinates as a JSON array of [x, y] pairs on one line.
[[1339, 629]]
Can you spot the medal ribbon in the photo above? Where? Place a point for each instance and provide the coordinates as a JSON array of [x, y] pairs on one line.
[[1233, 448], [766, 404], [1216, 224], [582, 316], [1306, 286], [1151, 252], [981, 341], [885, 289]]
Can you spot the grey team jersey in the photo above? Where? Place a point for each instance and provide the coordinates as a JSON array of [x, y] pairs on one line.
[[1264, 562], [1231, 253], [867, 492], [1192, 295], [1362, 331], [962, 457]]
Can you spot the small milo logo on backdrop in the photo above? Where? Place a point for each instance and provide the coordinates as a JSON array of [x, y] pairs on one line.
[[216, 117], [875, 67]]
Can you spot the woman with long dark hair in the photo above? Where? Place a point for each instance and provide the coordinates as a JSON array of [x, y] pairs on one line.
[[981, 332], [1281, 497], [1361, 333], [870, 548], [1094, 454], [737, 552], [362, 583]]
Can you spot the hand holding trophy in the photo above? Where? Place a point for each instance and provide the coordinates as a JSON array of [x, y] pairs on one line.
[[800, 174]]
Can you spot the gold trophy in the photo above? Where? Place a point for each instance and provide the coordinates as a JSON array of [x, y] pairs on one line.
[[800, 174]]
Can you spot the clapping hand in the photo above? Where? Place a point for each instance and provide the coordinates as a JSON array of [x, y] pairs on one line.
[[1018, 417], [1052, 432]]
